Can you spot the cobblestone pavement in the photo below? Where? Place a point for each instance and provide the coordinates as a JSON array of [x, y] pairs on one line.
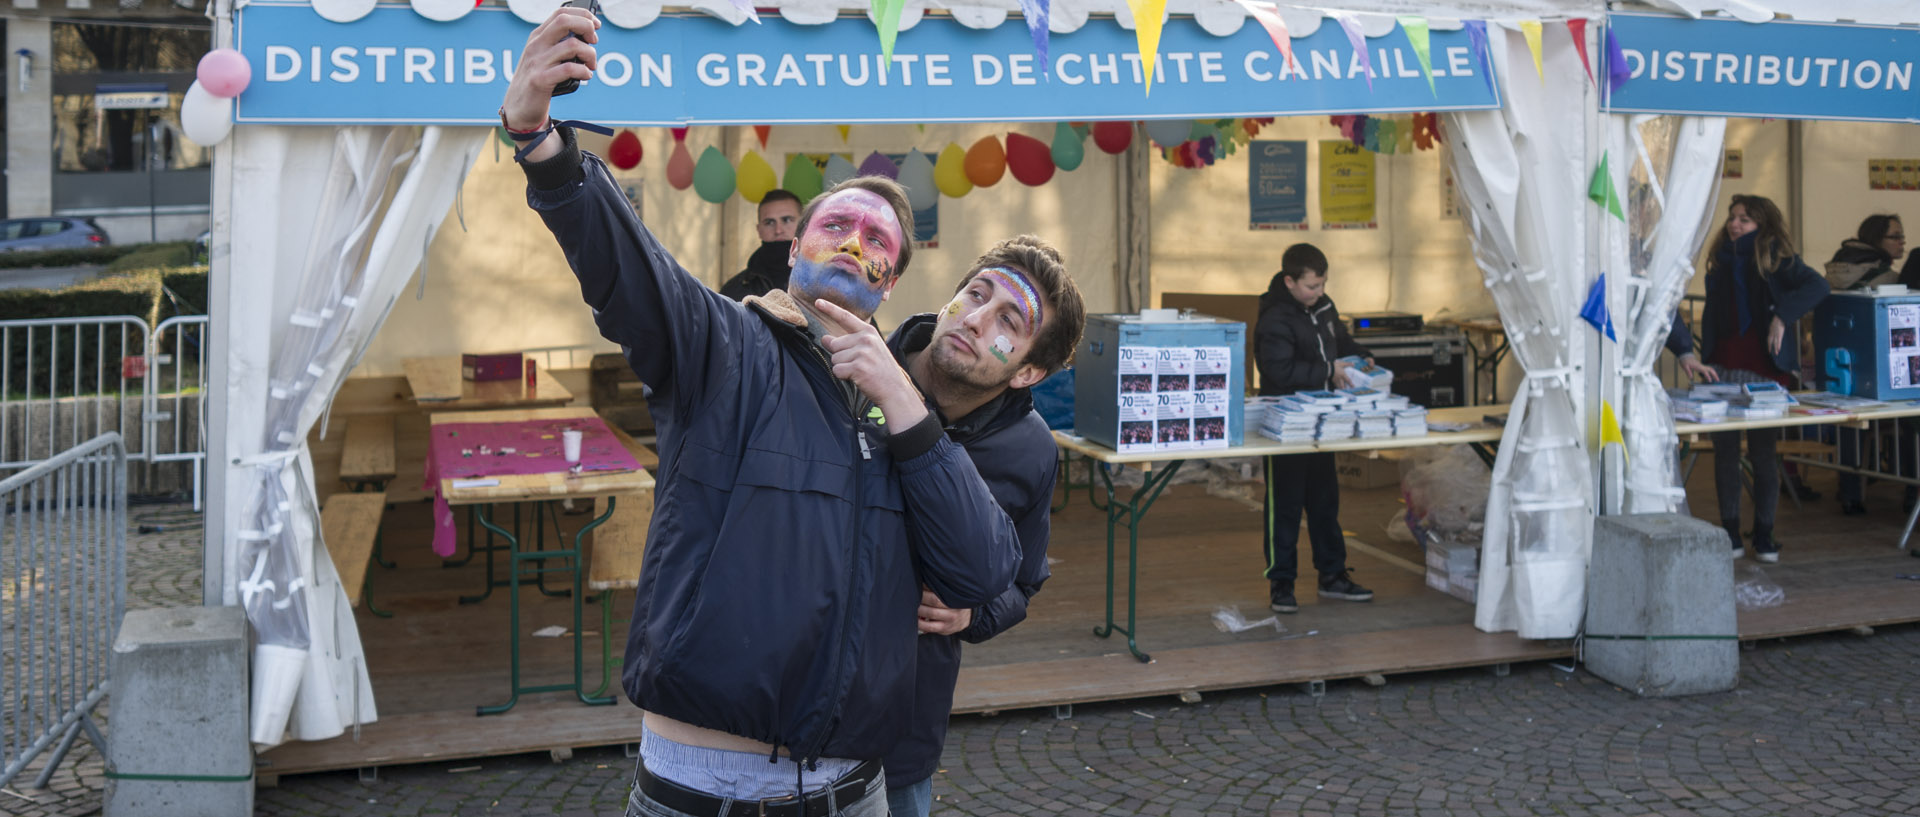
[[1822, 725]]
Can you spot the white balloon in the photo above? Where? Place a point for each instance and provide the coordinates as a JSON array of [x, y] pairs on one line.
[[205, 118], [443, 11], [1168, 133], [343, 11], [838, 170], [916, 175]]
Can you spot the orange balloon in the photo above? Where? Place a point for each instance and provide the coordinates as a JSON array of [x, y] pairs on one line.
[[986, 162]]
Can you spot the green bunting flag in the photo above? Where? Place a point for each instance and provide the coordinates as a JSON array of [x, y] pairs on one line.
[[886, 18], [1602, 192], [1416, 30]]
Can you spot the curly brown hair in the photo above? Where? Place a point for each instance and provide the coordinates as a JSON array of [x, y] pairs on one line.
[[1060, 330]]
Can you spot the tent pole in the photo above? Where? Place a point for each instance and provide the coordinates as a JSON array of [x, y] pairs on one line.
[[1133, 223], [1796, 182], [220, 317]]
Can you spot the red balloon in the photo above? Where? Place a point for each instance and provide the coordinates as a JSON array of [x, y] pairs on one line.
[[1029, 159], [625, 152], [1113, 137]]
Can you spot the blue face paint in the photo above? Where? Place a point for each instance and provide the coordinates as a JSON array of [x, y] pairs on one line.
[[852, 293]]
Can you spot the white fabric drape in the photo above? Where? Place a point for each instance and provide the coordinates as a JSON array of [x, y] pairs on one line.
[[1522, 171], [1668, 168], [336, 222]]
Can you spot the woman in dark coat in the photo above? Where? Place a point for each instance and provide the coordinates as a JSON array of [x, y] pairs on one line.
[[1757, 288], [1863, 262]]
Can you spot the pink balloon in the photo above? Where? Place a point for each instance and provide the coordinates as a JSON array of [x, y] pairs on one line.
[[224, 72]]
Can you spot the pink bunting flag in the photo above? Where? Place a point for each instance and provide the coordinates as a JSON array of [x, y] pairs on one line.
[[1578, 28], [1351, 25], [1268, 16]]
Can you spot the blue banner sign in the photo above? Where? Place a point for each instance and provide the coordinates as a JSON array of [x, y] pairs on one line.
[[1777, 69], [395, 66]]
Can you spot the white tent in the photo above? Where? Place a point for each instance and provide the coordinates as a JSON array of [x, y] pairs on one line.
[[317, 274]]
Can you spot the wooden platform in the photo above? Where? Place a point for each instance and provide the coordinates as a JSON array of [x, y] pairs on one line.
[[435, 660]]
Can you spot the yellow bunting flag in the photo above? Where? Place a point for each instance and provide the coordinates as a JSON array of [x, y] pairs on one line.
[[1531, 28], [1146, 32], [1610, 429], [1417, 36], [843, 131]]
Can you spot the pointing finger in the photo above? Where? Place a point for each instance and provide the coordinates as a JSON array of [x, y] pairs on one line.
[[839, 318]]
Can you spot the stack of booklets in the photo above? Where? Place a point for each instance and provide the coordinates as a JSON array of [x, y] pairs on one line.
[[1691, 408], [1362, 375], [1393, 401], [1410, 422], [1289, 424], [1763, 400], [1375, 423], [1361, 398], [1338, 425]]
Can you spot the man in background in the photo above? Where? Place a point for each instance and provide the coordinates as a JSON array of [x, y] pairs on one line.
[[767, 268]]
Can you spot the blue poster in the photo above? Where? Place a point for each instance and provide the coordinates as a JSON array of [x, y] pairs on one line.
[[1778, 69], [395, 66], [1277, 184]]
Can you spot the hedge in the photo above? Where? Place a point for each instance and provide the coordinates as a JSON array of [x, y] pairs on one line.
[[66, 258], [52, 354]]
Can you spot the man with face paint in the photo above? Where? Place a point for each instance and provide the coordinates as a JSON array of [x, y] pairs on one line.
[[1015, 318], [804, 497]]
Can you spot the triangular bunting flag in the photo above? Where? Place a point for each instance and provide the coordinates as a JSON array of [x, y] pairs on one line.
[[1146, 34], [1416, 29], [1268, 16], [1610, 429], [1595, 310], [1477, 39], [762, 131], [1351, 25], [886, 18], [1618, 72], [1036, 13], [1578, 28], [1602, 192], [844, 129], [743, 5], [1531, 28]]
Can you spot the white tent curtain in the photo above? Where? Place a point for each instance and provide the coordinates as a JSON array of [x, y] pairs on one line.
[[1523, 172], [1668, 168], [339, 220]]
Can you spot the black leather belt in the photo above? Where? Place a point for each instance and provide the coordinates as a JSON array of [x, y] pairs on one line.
[[849, 788]]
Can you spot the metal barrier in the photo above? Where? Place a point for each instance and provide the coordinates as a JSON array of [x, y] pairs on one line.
[[63, 380], [63, 561]]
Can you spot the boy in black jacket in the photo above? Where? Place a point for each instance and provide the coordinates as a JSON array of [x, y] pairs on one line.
[[1298, 341]]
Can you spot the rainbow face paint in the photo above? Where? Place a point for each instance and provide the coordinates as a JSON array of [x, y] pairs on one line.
[[1016, 284], [850, 252]]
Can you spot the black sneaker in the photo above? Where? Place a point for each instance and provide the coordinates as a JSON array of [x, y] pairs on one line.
[[1342, 587], [1280, 599]]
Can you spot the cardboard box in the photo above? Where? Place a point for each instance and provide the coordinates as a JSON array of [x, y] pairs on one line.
[[504, 366], [1358, 471]]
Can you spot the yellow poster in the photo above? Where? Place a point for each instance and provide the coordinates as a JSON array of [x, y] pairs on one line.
[[1346, 186]]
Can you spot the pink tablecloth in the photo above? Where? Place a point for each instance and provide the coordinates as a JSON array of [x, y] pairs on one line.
[[481, 450]]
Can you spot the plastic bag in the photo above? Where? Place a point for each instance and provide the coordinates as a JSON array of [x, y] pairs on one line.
[[1752, 590], [1446, 491], [1229, 620]]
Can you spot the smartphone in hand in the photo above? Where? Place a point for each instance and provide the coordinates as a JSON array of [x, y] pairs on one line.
[[570, 85]]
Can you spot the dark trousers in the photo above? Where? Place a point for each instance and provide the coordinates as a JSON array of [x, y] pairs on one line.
[[1296, 483], [1766, 473]]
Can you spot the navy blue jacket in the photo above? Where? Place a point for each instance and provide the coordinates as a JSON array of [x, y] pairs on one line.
[[1016, 455], [790, 533], [1791, 290]]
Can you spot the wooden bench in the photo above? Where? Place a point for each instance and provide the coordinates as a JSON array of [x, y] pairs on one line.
[[367, 459], [350, 526]]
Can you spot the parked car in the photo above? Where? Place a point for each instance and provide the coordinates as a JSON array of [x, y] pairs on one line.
[[17, 234]]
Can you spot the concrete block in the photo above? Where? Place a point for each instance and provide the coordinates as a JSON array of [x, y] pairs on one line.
[[179, 710], [1662, 575]]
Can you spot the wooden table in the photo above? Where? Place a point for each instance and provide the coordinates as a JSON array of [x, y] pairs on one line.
[[544, 489], [1130, 511], [437, 385]]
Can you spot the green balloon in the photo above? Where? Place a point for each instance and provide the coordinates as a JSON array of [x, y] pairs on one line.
[[803, 179], [713, 176], [1068, 149], [501, 134]]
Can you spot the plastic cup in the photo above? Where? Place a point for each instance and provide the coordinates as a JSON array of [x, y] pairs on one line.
[[570, 444]]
